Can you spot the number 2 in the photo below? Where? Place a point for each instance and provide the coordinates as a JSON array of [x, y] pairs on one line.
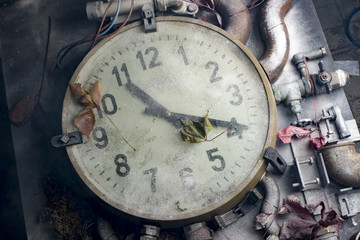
[[213, 77]]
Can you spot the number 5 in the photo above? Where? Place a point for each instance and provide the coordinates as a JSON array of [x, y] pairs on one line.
[[212, 158]]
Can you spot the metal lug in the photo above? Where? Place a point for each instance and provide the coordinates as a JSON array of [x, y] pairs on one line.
[[251, 200], [273, 157], [67, 139], [149, 232], [197, 231], [148, 17]]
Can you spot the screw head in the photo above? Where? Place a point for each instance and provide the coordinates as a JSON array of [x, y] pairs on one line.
[[192, 8], [65, 139]]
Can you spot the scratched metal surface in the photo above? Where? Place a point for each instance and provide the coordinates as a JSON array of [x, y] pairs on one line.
[[23, 39]]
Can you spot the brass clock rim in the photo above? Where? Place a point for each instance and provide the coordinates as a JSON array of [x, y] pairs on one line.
[[239, 193]]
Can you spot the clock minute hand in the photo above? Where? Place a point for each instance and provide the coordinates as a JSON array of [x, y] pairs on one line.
[[174, 118]]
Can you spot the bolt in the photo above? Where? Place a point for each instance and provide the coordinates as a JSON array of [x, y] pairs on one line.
[[353, 222], [192, 8], [315, 181], [65, 139], [310, 161]]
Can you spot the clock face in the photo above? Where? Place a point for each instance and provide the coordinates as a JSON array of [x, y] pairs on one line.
[[152, 80]]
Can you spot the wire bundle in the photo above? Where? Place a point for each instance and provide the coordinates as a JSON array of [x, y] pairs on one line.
[[100, 34]]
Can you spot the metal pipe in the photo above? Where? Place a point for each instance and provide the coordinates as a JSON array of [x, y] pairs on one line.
[[235, 16], [276, 36], [95, 10], [343, 163], [237, 24], [270, 205]]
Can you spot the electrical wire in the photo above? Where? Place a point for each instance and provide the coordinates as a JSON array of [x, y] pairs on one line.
[[348, 34], [102, 22], [251, 6], [91, 37]]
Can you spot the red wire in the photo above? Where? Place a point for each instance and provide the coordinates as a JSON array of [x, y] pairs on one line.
[[224, 235], [313, 93], [249, 8]]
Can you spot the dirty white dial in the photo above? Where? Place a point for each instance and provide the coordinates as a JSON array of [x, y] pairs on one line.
[[151, 80]]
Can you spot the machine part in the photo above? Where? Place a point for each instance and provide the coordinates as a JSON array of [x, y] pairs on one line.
[[349, 204], [293, 92], [308, 172], [67, 139], [336, 79], [343, 163], [324, 77], [327, 233], [252, 199], [148, 17], [322, 170], [335, 137], [198, 231], [301, 122], [105, 230], [356, 236], [273, 157], [270, 204], [299, 61], [334, 114], [317, 195], [149, 232], [304, 184], [236, 24], [95, 10], [351, 67], [276, 36]]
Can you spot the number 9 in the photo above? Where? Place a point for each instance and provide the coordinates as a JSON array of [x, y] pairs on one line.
[[102, 141]]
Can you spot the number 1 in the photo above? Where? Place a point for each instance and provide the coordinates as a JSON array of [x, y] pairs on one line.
[[123, 69]]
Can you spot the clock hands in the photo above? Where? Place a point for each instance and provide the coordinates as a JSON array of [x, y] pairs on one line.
[[170, 116], [156, 109]]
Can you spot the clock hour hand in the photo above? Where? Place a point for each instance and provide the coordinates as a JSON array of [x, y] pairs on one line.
[[174, 118], [144, 97]]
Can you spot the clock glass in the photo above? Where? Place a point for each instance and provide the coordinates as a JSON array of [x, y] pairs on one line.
[[184, 70]]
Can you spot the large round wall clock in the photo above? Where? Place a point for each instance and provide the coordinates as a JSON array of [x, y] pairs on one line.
[[185, 70]]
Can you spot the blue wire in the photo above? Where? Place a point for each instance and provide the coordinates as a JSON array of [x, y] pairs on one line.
[[76, 42], [115, 18]]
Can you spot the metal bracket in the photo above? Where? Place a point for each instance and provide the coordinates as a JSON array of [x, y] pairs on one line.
[[148, 17], [310, 170], [273, 157], [67, 139], [349, 204], [251, 200]]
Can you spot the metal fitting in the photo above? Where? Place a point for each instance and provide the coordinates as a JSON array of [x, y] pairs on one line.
[[149, 232], [198, 231], [343, 163]]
